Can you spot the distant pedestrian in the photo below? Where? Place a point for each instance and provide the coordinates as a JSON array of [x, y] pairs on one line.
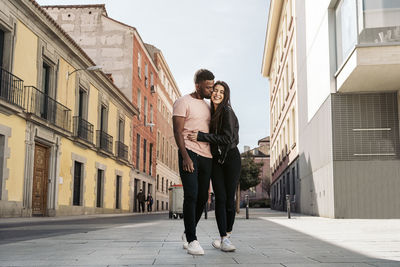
[[142, 199], [226, 163], [149, 201]]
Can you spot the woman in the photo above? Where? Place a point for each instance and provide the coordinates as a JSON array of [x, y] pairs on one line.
[[224, 138]]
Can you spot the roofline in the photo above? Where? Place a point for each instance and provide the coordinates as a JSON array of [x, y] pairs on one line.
[[274, 14], [103, 6], [169, 72]]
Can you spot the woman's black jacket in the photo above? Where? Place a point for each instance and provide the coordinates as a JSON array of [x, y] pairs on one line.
[[226, 136]]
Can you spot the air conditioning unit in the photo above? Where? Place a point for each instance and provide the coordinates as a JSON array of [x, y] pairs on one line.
[[152, 89]]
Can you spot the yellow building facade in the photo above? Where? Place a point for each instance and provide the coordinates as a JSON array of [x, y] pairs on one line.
[[65, 128]]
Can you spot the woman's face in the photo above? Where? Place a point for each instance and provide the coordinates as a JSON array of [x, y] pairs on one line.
[[218, 94]]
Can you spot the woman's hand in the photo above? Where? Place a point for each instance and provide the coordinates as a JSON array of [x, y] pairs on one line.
[[192, 136]]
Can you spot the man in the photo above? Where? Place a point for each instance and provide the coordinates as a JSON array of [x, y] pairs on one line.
[[192, 113], [141, 198]]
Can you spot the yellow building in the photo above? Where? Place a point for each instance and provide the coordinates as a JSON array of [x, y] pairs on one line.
[[65, 128]]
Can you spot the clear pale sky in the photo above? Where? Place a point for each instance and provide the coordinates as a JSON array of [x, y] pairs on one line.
[[224, 36]]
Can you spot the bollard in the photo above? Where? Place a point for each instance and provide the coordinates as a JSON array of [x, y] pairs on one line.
[[205, 210], [288, 205], [247, 206]]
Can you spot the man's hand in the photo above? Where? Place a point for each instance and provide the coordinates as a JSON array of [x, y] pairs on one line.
[[187, 164], [178, 123], [192, 136]]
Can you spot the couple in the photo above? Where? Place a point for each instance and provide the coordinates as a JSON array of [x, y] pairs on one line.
[[207, 139]]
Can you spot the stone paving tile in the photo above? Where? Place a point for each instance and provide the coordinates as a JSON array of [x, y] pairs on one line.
[[270, 241]]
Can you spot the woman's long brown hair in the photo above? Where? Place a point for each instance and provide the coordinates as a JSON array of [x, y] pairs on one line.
[[216, 115]]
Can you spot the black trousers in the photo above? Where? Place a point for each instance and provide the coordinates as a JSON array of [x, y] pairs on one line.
[[141, 206], [225, 178], [195, 191]]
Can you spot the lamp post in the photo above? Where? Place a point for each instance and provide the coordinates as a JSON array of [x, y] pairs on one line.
[[91, 68]]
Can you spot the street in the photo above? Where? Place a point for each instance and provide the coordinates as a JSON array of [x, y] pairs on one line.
[[268, 238]]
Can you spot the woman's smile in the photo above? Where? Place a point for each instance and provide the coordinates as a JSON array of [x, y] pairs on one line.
[[218, 94]]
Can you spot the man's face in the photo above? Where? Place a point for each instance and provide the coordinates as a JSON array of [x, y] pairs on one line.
[[205, 88]]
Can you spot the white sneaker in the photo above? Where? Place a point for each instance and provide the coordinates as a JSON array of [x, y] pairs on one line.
[[216, 243], [194, 248], [227, 246], [185, 243]]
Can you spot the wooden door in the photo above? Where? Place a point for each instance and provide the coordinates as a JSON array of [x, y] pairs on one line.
[[40, 180]]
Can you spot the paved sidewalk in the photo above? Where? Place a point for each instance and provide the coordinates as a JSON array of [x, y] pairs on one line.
[[268, 238]]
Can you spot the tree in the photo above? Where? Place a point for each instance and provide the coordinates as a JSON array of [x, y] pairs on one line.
[[250, 174]]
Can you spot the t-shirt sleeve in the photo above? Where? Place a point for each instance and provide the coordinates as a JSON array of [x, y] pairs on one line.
[[180, 108]]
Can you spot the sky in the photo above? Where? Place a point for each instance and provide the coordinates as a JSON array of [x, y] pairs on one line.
[[224, 36]]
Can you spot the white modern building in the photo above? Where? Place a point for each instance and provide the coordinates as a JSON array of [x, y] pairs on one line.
[[346, 63]]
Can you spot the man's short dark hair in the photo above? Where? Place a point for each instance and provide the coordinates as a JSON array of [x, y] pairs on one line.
[[203, 75]]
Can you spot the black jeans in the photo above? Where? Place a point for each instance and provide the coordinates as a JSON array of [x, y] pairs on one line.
[[195, 191], [224, 180], [141, 206]]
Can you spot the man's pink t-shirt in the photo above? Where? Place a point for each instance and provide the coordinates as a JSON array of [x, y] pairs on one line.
[[197, 118]]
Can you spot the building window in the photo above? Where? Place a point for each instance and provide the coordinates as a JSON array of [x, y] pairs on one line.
[[82, 103], [145, 111], [151, 79], [99, 195], [118, 192], [121, 130], [2, 162], [146, 75], [139, 101], [139, 65], [162, 149], [150, 159], [137, 151], [1, 47], [159, 104], [151, 114], [158, 182], [293, 126], [158, 144], [144, 154], [103, 118], [77, 194], [162, 184], [346, 29]]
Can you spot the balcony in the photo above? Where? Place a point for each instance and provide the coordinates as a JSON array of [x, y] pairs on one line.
[[368, 45], [83, 129], [46, 108], [122, 150], [11, 88], [104, 141]]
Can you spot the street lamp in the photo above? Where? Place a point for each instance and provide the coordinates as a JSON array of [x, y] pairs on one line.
[[91, 68]]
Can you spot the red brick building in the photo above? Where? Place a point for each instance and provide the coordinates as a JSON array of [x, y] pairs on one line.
[[144, 133]]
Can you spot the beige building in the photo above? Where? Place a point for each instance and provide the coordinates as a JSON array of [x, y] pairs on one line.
[[65, 130], [279, 66], [167, 151], [347, 88]]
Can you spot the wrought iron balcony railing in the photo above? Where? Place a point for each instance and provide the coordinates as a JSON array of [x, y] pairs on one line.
[[83, 129], [45, 107], [104, 141], [122, 150], [11, 88]]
